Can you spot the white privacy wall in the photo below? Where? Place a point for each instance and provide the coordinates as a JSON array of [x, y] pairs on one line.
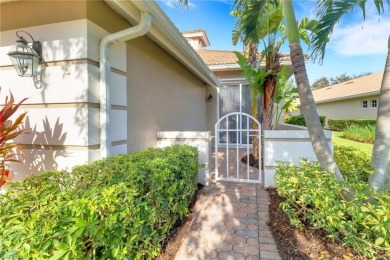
[[63, 115], [287, 145], [200, 140]]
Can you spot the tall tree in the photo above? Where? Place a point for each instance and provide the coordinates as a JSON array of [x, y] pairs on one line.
[[322, 82], [251, 39], [308, 107], [259, 21], [380, 180], [330, 12], [262, 22]]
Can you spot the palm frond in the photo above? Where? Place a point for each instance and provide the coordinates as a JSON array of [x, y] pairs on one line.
[[307, 28], [329, 14]]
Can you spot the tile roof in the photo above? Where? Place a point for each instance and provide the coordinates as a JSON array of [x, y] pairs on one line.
[[223, 57], [362, 86]]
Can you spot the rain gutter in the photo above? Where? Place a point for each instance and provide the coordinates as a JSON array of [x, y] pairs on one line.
[[105, 70]]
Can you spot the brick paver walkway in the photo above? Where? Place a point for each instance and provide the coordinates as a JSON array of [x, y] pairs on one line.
[[231, 224]]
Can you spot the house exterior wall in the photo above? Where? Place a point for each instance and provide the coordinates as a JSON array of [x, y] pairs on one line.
[[228, 74], [161, 95], [150, 90], [212, 109], [348, 109], [63, 115]]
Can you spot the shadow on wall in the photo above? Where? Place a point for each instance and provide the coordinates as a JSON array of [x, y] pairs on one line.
[[41, 155]]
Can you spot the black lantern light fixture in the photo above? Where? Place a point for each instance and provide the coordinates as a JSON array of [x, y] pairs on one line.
[[25, 58], [210, 97]]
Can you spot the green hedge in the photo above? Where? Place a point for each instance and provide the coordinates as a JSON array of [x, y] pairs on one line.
[[342, 124], [316, 197], [300, 120], [122, 207]]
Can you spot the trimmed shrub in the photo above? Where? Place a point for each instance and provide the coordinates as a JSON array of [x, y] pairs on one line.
[[364, 134], [316, 197], [121, 207], [300, 120], [342, 124]]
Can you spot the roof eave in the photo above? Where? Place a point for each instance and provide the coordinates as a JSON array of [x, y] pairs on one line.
[[165, 34], [349, 97], [235, 66]]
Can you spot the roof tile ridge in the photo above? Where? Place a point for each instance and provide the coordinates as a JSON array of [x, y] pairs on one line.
[[207, 49]]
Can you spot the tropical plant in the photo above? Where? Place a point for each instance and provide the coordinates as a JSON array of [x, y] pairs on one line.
[[285, 95], [262, 22], [9, 151], [259, 21], [330, 12], [256, 78]]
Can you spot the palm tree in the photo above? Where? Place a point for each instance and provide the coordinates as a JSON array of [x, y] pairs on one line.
[[330, 12], [380, 180], [260, 21], [308, 107]]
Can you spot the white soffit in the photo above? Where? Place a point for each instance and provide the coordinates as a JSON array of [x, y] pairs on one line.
[[165, 34]]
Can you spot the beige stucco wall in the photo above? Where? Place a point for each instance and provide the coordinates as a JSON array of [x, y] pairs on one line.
[[150, 90], [162, 95], [211, 109], [229, 74], [63, 115], [22, 14], [346, 109]]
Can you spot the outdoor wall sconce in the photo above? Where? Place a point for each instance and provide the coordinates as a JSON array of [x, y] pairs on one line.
[[25, 58], [210, 97]]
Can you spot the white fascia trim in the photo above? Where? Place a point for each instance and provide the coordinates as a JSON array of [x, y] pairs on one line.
[[165, 33], [349, 97], [225, 67], [230, 81], [235, 66]]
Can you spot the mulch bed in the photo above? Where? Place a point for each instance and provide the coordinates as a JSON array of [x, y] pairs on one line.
[[302, 244], [179, 231]]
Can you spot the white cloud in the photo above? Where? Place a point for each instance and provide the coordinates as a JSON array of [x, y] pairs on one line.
[[363, 38], [174, 4], [191, 4]]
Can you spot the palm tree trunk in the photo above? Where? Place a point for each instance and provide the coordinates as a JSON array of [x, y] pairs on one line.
[[380, 153], [255, 114], [308, 107], [254, 104], [253, 54], [268, 102]]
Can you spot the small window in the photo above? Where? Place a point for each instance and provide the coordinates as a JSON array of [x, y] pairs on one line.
[[364, 104], [374, 103]]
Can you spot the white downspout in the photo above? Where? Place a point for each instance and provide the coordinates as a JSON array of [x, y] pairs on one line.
[[105, 70]]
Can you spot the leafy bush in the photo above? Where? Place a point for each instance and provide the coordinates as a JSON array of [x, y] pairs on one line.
[[342, 124], [300, 120], [121, 207], [364, 134], [317, 197], [353, 163]]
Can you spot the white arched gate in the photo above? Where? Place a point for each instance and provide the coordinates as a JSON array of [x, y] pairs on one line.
[[234, 135]]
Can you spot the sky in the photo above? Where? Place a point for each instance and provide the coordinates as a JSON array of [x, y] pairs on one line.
[[356, 45]]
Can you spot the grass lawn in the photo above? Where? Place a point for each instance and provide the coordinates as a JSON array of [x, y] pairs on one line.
[[338, 140]]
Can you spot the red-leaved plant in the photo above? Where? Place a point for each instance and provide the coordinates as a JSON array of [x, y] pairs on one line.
[[9, 130]]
